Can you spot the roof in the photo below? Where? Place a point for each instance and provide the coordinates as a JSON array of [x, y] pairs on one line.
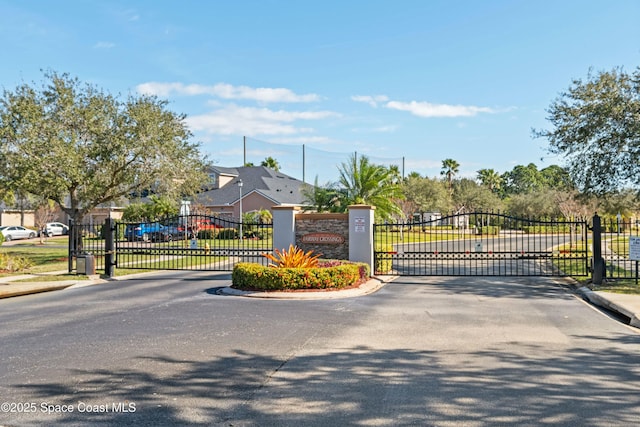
[[282, 189]]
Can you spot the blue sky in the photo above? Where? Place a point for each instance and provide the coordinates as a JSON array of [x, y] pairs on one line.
[[419, 80]]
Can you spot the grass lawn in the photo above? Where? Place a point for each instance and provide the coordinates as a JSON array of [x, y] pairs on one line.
[[52, 256]]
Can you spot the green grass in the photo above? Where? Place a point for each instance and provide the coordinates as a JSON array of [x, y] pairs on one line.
[[45, 258]]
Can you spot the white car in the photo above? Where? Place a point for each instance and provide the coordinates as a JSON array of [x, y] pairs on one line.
[[14, 232], [56, 229]]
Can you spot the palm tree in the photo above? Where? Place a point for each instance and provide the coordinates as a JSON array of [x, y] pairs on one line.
[[366, 183], [490, 178], [449, 169], [272, 163], [322, 198], [396, 176]]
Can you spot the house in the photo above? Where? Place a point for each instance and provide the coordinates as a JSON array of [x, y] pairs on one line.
[[261, 188], [23, 217]]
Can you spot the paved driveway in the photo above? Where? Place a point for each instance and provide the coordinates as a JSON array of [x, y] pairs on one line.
[[422, 351]]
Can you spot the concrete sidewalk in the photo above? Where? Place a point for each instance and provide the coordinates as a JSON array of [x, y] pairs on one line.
[[624, 304]]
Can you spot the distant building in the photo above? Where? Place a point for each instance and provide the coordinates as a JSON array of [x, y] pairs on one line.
[[262, 188], [23, 217]]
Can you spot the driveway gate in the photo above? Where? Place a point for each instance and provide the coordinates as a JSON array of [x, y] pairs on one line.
[[482, 244], [193, 242]]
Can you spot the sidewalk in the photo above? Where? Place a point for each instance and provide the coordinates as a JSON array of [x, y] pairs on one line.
[[627, 305]]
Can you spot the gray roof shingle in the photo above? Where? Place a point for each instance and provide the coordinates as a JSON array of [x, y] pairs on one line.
[[280, 188]]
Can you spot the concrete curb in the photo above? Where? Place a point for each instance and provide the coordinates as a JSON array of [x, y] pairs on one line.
[[614, 302], [13, 290], [371, 286]]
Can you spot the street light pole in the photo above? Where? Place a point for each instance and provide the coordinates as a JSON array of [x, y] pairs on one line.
[[240, 188]]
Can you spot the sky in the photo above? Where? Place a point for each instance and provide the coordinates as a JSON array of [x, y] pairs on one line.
[[403, 82]]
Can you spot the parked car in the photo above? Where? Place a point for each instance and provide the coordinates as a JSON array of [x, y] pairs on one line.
[[166, 234], [144, 231], [15, 232], [56, 229]]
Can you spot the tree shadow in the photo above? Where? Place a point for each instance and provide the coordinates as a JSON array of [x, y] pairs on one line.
[[494, 286], [524, 385]]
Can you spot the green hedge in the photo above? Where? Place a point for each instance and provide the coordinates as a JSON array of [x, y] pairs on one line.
[[546, 229], [254, 276], [227, 234], [489, 230], [383, 262]]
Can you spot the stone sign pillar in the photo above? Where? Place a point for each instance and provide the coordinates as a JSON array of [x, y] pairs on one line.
[[361, 220], [284, 226]]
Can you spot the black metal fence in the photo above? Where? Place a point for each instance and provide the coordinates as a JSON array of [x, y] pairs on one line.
[[619, 249], [194, 242], [87, 240], [486, 244], [482, 244]]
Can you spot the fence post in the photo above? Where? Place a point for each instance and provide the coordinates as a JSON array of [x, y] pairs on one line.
[[284, 226], [598, 273], [70, 246], [108, 232]]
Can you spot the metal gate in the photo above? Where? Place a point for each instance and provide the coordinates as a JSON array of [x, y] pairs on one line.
[[193, 242], [482, 244]]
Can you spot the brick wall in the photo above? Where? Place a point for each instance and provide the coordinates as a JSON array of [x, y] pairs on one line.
[[332, 223]]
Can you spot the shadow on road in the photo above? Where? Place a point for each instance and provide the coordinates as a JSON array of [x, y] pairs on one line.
[[366, 386]]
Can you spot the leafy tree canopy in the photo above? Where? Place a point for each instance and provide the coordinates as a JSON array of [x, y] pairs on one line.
[[468, 194], [596, 127], [81, 147], [428, 194]]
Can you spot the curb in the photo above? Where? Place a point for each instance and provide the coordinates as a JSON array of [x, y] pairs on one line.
[[34, 288], [601, 301], [372, 285]]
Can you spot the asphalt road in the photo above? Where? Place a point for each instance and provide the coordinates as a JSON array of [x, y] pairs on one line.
[[167, 350]]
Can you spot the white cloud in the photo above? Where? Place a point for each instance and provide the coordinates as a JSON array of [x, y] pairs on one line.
[[104, 45], [250, 121], [226, 91], [385, 129], [426, 109], [371, 100]]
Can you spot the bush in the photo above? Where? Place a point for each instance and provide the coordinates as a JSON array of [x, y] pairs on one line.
[[1, 238], [208, 234], [294, 257], [489, 230], [383, 261], [14, 263], [227, 234], [253, 276]]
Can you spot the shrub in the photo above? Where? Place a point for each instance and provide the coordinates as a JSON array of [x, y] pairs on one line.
[[227, 234], [14, 263], [254, 276], [207, 234], [383, 260], [294, 257], [1, 238], [489, 230]]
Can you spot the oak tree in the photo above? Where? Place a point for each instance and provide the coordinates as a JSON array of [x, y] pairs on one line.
[[82, 147]]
